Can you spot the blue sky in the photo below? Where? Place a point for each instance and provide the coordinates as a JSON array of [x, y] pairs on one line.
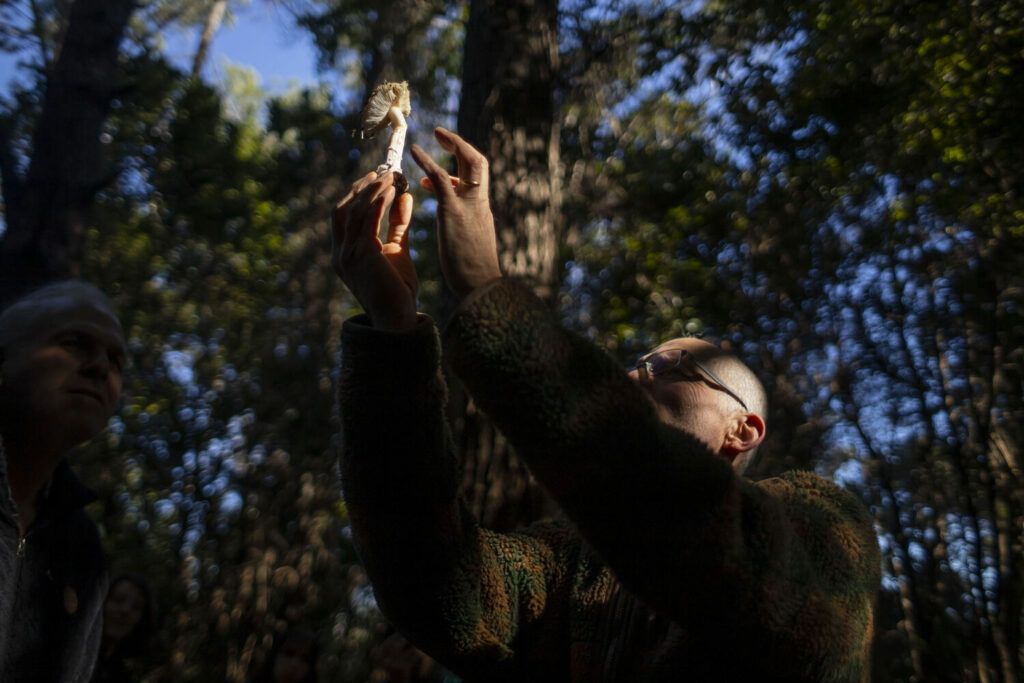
[[262, 36]]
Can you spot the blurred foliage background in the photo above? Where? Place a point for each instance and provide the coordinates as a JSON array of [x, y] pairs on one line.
[[833, 189]]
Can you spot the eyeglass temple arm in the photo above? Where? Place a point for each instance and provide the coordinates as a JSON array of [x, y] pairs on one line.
[[683, 353]]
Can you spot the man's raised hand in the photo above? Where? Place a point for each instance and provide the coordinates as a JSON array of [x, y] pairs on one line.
[[466, 238], [380, 275]]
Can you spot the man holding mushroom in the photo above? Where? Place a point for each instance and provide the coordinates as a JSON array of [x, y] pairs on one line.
[[669, 565]]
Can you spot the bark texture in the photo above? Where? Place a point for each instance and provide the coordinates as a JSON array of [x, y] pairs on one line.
[[508, 111], [46, 207]]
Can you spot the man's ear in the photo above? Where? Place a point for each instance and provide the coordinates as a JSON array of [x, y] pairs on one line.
[[745, 433]]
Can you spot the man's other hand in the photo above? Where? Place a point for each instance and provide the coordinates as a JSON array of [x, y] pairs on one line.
[[466, 238], [380, 274]]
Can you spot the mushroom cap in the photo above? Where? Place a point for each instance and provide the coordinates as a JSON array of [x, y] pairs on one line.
[[383, 97]]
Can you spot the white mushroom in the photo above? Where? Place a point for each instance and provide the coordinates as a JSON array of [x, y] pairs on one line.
[[388, 105]]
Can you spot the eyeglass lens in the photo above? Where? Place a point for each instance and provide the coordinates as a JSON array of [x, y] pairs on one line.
[[669, 361]]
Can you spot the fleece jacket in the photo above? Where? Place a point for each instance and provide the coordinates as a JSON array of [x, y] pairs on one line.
[[667, 566]]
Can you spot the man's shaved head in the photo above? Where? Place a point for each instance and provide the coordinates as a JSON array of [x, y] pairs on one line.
[[725, 407], [742, 380]]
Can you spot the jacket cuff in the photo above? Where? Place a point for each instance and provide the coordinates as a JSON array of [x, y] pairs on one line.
[[381, 354]]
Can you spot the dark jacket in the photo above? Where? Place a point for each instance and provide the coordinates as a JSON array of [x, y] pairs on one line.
[[112, 670], [671, 567], [52, 585]]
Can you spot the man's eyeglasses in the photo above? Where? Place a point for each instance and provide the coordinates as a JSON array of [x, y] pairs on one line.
[[678, 363]]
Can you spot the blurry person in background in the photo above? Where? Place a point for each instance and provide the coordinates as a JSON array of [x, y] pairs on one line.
[[292, 658], [61, 356], [129, 624]]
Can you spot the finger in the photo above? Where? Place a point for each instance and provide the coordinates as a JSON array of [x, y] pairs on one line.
[[343, 210], [399, 218], [365, 243], [378, 208], [339, 215], [457, 145], [364, 213], [472, 164], [429, 186], [357, 187], [371, 192], [439, 178], [446, 138]]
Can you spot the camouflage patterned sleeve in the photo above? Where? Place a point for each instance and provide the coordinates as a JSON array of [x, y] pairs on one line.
[[471, 598], [716, 553]]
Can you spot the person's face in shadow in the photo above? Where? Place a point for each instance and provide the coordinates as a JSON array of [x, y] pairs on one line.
[[124, 608], [292, 663], [65, 370]]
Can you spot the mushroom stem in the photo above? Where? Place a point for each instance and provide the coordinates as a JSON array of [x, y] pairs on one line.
[[396, 144], [388, 105]]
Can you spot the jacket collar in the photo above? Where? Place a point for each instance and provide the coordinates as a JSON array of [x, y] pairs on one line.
[[63, 492]]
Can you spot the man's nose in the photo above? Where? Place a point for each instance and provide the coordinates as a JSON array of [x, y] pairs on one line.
[[97, 363], [639, 374]]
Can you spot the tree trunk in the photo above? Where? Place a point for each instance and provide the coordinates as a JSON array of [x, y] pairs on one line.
[[213, 22], [508, 111], [46, 210]]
